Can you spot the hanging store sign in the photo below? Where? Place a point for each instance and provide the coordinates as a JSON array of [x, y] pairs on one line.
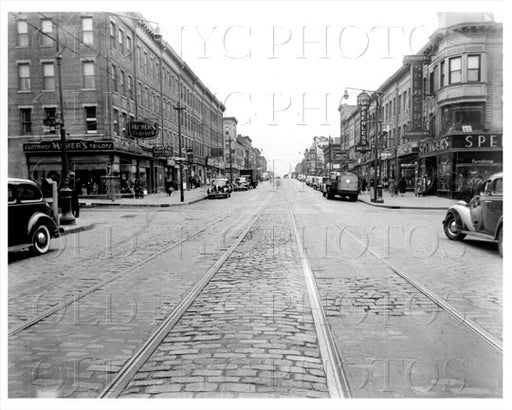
[[216, 152], [416, 129], [163, 151], [363, 145], [71, 146], [466, 142], [142, 129]]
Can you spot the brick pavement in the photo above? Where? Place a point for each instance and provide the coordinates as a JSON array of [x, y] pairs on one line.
[[250, 333]]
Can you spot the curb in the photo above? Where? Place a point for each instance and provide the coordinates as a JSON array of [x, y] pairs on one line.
[[118, 205], [64, 232], [433, 208]]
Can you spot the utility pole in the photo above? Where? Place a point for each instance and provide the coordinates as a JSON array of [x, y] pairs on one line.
[[180, 108], [67, 217]]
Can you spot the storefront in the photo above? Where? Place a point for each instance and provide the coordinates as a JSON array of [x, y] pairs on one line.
[[450, 164], [407, 154], [101, 166]]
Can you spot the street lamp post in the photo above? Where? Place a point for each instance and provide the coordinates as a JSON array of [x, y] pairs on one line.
[[67, 217], [377, 95], [180, 108], [230, 156]]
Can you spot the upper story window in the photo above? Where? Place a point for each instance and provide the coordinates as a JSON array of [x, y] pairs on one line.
[[22, 40], [48, 76], [46, 32], [129, 46], [26, 121], [121, 40], [24, 77], [114, 77], [87, 36], [88, 74], [442, 75], [49, 117], [455, 70], [474, 67], [112, 34], [91, 123]]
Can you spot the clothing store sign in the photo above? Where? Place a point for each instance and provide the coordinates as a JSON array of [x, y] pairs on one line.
[[143, 129], [477, 141], [72, 145], [416, 129], [363, 101]]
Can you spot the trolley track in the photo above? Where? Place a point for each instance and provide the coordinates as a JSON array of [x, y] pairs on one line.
[[17, 329], [139, 358], [431, 295]]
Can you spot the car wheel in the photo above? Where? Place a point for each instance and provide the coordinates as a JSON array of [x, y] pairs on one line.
[[330, 195], [451, 230], [41, 240], [500, 242], [353, 198]]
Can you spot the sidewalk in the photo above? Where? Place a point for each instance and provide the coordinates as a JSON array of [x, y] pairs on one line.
[[408, 201], [151, 200], [86, 222]]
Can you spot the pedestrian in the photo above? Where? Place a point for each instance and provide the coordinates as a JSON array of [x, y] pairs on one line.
[[168, 187], [364, 185], [392, 186], [76, 189], [402, 185]]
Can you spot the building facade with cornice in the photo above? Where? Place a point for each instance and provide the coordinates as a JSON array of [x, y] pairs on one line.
[[115, 70], [462, 112]]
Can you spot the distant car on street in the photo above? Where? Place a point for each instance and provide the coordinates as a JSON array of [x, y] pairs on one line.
[[219, 188], [242, 184], [31, 223], [481, 217]]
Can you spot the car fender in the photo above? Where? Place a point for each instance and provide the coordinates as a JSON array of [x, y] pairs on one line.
[[499, 226], [40, 218], [462, 214]]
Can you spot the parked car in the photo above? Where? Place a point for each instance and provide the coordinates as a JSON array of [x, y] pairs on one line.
[[219, 188], [345, 184], [481, 217], [31, 223], [242, 184]]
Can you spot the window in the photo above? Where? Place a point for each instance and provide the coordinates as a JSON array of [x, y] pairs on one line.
[[130, 87], [28, 192], [87, 37], [46, 32], [146, 97], [48, 76], [22, 34], [442, 77], [114, 78], [24, 77], [112, 34], [91, 124], [49, 119], [455, 70], [474, 68], [455, 116], [26, 121], [145, 62], [139, 94], [116, 121], [431, 83], [129, 46], [399, 104], [121, 40], [497, 186], [139, 57], [124, 121], [123, 82], [405, 100], [88, 72]]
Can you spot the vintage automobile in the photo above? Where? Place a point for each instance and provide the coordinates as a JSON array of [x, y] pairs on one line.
[[219, 188], [344, 184], [242, 184], [481, 217], [31, 223]]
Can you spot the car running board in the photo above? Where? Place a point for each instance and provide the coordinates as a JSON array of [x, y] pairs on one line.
[[481, 235]]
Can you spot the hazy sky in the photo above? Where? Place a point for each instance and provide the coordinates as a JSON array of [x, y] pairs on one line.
[[281, 67]]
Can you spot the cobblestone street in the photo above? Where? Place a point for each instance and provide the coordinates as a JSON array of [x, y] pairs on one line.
[[250, 331]]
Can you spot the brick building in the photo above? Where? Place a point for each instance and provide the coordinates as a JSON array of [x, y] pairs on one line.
[[115, 69], [461, 119]]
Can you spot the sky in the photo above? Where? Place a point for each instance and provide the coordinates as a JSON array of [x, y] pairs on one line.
[[281, 67]]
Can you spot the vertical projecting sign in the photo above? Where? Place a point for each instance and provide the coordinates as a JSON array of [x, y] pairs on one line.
[[416, 129], [363, 102]]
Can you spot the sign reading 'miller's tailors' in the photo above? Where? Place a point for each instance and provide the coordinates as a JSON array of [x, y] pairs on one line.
[[72, 145], [142, 129]]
